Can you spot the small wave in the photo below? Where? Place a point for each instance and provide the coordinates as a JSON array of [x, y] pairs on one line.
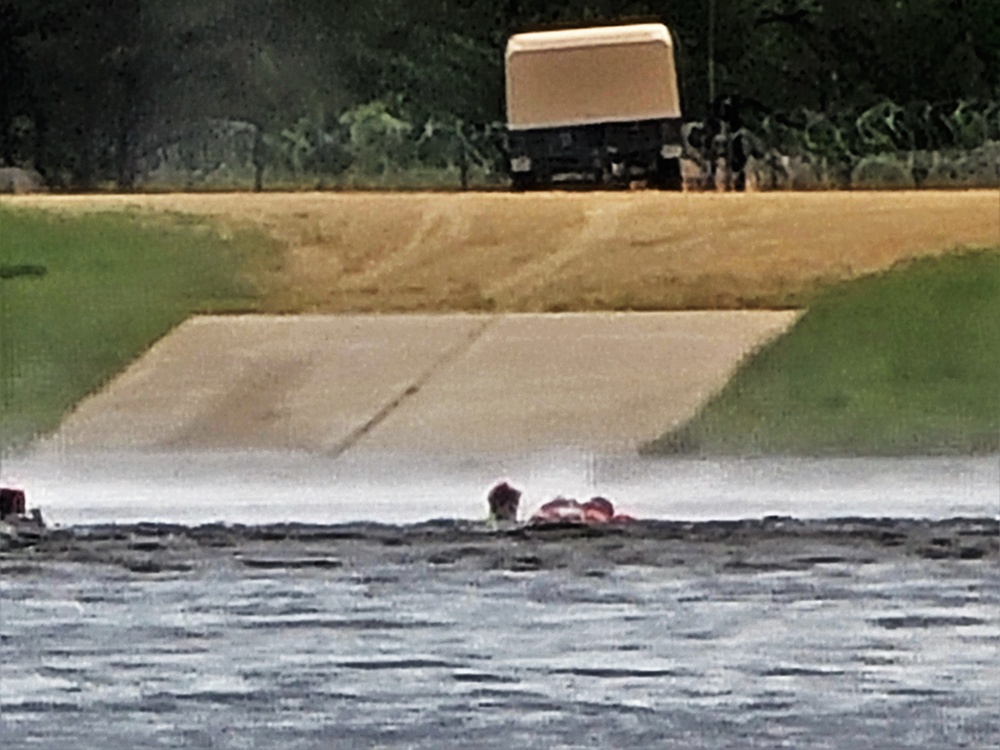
[[800, 672], [398, 664], [38, 707], [295, 563], [482, 677], [766, 706], [612, 673], [926, 621], [917, 692], [227, 697]]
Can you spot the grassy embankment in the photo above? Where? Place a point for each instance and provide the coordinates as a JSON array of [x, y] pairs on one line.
[[82, 296], [904, 362]]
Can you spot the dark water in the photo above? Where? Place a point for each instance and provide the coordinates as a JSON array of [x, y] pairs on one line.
[[709, 645]]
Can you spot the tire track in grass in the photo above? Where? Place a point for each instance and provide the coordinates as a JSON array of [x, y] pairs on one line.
[[601, 223], [399, 259]]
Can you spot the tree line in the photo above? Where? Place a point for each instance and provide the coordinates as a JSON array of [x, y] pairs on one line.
[[91, 92]]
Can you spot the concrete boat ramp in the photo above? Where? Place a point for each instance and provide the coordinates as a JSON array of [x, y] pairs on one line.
[[435, 384]]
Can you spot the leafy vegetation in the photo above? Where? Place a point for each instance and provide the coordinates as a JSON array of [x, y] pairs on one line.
[[902, 362], [942, 144], [311, 92], [81, 297]]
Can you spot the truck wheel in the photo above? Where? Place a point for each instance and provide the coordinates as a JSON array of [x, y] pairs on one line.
[[521, 181], [668, 174]]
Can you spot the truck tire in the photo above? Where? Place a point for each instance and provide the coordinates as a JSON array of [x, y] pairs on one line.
[[522, 181], [668, 174]]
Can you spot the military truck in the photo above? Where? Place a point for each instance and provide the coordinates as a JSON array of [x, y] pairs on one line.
[[594, 106]]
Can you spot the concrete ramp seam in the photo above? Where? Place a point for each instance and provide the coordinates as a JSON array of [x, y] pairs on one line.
[[449, 356], [601, 383]]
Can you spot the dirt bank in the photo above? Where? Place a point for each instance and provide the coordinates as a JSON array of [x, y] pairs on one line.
[[383, 252]]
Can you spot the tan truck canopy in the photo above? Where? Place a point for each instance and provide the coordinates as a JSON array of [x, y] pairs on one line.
[[587, 76]]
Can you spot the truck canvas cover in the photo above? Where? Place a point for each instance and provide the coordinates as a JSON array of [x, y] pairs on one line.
[[589, 76]]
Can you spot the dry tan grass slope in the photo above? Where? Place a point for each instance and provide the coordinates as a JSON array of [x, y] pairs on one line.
[[496, 383], [382, 252]]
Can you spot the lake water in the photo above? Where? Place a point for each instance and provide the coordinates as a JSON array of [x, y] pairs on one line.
[[264, 487], [897, 653], [870, 650]]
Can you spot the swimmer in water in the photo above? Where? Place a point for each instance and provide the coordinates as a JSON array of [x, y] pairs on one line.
[[503, 501], [597, 510]]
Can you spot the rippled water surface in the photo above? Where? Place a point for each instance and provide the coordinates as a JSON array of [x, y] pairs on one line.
[[894, 650], [881, 655]]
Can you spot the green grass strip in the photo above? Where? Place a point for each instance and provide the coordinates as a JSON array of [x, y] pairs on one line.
[[82, 296], [905, 362]]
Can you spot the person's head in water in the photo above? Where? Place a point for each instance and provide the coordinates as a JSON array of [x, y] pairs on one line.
[[598, 509], [503, 500]]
